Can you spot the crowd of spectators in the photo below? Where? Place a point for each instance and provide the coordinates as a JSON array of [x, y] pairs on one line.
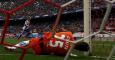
[[74, 24], [97, 20], [70, 25], [39, 8]]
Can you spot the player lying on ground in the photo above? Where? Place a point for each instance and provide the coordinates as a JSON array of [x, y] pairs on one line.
[[48, 45]]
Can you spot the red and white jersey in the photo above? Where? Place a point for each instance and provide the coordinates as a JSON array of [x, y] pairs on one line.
[[64, 36], [57, 47], [51, 45]]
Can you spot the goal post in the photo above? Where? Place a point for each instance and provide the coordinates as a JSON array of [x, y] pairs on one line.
[[87, 26], [87, 22]]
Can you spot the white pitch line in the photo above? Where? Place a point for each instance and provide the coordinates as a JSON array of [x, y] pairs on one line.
[[15, 54], [102, 57], [6, 54]]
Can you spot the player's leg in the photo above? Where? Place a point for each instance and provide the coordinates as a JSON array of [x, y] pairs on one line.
[[20, 44]]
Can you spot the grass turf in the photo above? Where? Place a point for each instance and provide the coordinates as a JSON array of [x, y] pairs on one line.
[[100, 48]]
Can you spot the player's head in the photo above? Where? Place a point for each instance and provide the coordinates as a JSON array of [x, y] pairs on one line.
[[82, 46]]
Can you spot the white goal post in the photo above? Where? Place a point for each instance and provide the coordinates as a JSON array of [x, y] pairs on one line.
[[106, 16]]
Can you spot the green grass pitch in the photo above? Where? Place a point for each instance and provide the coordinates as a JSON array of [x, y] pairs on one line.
[[99, 49]]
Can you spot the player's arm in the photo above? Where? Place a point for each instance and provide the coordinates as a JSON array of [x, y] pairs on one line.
[[60, 37]]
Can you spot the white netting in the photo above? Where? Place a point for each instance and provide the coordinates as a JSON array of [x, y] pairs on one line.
[[102, 42]]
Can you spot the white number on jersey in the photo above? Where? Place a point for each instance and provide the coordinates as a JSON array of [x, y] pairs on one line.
[[56, 44]]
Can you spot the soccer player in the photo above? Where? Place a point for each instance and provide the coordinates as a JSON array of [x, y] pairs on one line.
[[63, 34], [48, 45]]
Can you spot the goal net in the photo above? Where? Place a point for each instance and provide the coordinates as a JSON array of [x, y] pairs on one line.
[[12, 11], [9, 9], [102, 31]]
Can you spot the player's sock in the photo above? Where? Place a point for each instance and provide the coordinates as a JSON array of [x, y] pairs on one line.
[[74, 55]]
